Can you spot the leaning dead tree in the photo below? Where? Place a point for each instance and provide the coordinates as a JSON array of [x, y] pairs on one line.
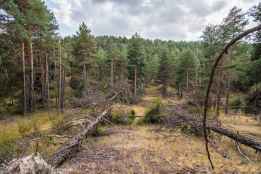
[[211, 79], [72, 147]]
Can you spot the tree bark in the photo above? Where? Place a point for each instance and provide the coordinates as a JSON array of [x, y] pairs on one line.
[[84, 80], [47, 81], [227, 97], [24, 79], [135, 81], [60, 78], [112, 73], [218, 97], [187, 75], [32, 77], [62, 91], [218, 103]]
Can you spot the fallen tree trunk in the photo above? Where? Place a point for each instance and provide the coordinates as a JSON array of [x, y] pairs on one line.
[[179, 118], [250, 142], [72, 147]]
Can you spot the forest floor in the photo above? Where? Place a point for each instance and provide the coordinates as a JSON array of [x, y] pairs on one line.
[[151, 149], [137, 148]]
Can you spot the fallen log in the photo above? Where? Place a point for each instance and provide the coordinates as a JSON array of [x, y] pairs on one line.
[[248, 141], [72, 147], [179, 118]]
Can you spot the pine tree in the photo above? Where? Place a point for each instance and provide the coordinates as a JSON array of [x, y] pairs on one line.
[[84, 52], [164, 70], [185, 70], [136, 62]]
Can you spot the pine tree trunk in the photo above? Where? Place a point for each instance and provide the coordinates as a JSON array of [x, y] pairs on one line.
[[60, 78], [187, 80], [135, 81], [32, 77], [227, 97], [47, 81], [218, 95], [218, 100], [164, 89], [112, 73], [43, 80], [24, 79], [84, 80], [63, 90], [57, 85]]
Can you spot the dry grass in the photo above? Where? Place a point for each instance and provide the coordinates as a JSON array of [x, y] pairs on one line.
[[242, 123], [148, 149], [19, 128]]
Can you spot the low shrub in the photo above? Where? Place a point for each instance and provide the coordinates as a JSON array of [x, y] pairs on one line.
[[237, 102], [99, 131], [121, 117], [152, 114]]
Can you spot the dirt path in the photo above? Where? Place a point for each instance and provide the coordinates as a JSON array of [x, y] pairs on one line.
[[153, 150]]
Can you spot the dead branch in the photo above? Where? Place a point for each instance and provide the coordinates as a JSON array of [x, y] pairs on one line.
[[72, 147], [213, 70], [241, 153]]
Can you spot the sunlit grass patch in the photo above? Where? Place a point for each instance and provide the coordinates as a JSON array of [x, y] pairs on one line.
[[22, 126], [8, 148]]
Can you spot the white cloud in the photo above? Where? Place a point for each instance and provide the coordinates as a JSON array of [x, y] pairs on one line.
[[164, 19]]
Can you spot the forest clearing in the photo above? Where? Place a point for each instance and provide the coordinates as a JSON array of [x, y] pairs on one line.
[[107, 101]]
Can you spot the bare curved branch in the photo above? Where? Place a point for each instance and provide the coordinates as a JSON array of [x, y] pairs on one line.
[[211, 78]]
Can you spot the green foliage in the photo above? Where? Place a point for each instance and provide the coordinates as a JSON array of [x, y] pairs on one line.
[[84, 54], [186, 65], [76, 84], [253, 99], [99, 131], [151, 68], [237, 102], [136, 58], [153, 115], [123, 118], [84, 47]]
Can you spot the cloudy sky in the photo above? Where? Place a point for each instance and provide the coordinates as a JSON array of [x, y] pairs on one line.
[[163, 19]]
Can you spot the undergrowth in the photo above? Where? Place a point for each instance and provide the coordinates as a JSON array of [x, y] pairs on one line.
[[120, 117], [153, 113]]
